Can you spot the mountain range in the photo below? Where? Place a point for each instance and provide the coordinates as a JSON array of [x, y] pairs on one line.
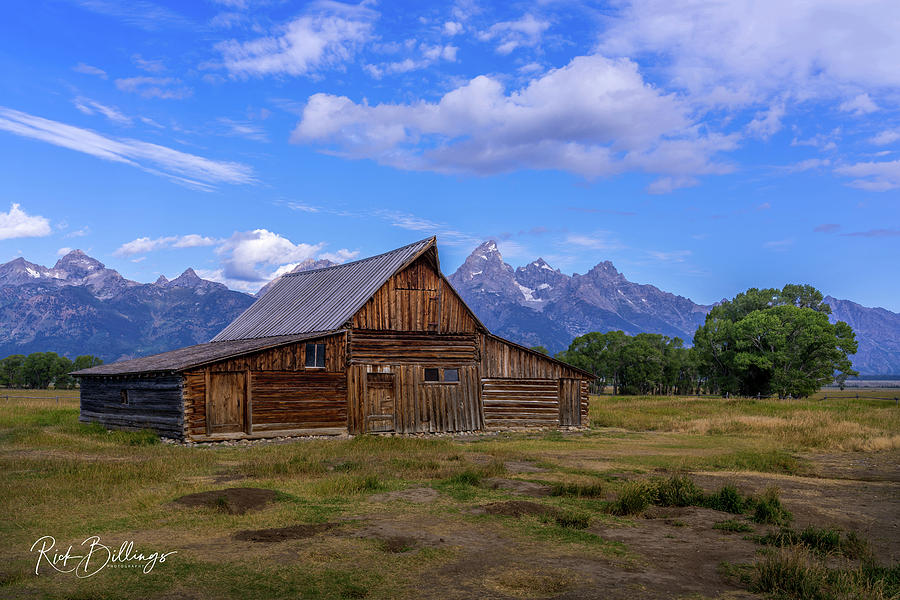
[[81, 307]]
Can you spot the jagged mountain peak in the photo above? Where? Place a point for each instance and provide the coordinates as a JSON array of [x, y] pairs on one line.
[[78, 264], [161, 280]]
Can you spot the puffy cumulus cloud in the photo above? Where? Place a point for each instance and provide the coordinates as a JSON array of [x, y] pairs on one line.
[[859, 105], [593, 117], [16, 223], [328, 38], [143, 245], [873, 176], [183, 168], [258, 256], [744, 51], [509, 35]]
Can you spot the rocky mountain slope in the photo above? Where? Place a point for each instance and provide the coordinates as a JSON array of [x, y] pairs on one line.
[[80, 307], [538, 305]]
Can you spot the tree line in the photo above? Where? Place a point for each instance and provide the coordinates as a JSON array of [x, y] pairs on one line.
[[40, 370], [762, 342]]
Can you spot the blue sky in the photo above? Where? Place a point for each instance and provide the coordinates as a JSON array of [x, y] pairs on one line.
[[703, 147]]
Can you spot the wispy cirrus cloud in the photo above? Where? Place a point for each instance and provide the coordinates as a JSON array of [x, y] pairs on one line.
[[138, 13], [89, 70], [165, 88], [16, 223], [181, 167], [91, 107], [874, 233], [874, 176]]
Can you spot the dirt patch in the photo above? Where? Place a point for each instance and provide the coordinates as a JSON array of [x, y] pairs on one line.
[[234, 501], [531, 583], [420, 495], [516, 486], [521, 466], [280, 534], [398, 543], [518, 508]]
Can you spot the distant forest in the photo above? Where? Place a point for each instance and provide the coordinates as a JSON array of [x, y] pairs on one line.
[[42, 370]]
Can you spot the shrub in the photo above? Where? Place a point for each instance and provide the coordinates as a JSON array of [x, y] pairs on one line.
[[577, 490], [573, 520], [467, 477], [790, 574], [634, 498], [727, 499], [679, 490], [768, 509]]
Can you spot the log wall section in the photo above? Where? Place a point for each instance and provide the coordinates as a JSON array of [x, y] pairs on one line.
[[417, 298], [152, 403], [283, 395], [520, 402]]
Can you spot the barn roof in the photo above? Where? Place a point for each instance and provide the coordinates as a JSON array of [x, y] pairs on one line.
[[195, 356], [320, 299]]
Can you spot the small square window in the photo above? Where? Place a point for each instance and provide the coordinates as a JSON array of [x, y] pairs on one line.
[[432, 374], [451, 374], [315, 356]]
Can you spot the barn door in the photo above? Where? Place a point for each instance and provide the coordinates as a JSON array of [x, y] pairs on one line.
[[570, 402], [226, 402], [380, 402]]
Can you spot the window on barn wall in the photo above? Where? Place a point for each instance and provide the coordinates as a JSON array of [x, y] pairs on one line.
[[123, 395], [438, 375], [315, 356]]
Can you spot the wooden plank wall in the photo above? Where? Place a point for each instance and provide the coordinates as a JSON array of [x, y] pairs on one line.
[[502, 359], [282, 390], [520, 402], [585, 402], [389, 347], [310, 400], [291, 357], [420, 406], [415, 299], [153, 403], [569, 402]]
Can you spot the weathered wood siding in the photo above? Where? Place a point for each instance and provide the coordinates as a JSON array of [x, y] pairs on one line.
[[419, 406], [570, 402], [520, 402], [390, 347], [282, 393], [585, 401], [500, 358], [416, 299], [152, 403]]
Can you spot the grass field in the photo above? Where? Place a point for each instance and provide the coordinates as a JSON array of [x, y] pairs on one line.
[[393, 517]]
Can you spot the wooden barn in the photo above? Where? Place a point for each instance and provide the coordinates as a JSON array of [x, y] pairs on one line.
[[382, 344]]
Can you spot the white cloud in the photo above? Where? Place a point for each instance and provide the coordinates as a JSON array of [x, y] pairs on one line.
[[18, 224], [63, 251], [166, 88], [665, 185], [254, 257], [672, 256], [90, 107], [181, 167], [149, 65], [89, 70], [807, 165], [768, 123], [304, 45], [859, 105], [452, 28], [873, 176], [601, 240], [244, 129], [594, 117], [741, 52], [886, 137], [145, 244], [525, 31], [139, 13], [427, 56]]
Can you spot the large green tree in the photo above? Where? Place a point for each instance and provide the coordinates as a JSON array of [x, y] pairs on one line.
[[11, 371], [767, 341]]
